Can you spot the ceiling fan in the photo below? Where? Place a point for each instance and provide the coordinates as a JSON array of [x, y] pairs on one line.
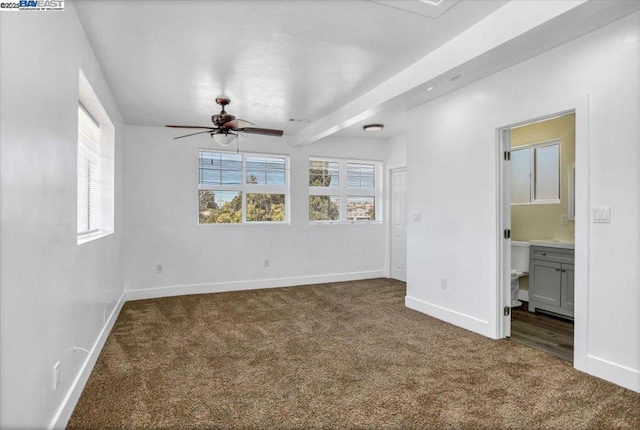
[[226, 127]]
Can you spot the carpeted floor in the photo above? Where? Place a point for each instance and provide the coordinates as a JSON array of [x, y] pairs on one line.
[[343, 355]]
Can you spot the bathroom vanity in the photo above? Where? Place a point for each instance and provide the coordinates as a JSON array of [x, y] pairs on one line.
[[551, 277]]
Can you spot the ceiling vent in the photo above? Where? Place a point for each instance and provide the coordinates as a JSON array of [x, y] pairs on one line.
[[428, 8]]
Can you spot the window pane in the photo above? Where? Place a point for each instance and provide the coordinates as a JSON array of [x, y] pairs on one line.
[[266, 170], [220, 207], [360, 175], [547, 173], [361, 208], [520, 175], [324, 173], [265, 207], [324, 208], [219, 168]]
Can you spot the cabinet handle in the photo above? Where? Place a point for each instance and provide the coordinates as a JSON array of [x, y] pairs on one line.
[[544, 254], [564, 270], [557, 270]]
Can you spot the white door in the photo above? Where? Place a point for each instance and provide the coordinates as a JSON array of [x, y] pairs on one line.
[[399, 225]]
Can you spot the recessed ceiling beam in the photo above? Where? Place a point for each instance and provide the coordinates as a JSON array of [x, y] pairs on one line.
[[512, 20]]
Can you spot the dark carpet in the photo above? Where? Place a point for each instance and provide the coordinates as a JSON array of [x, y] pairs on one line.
[[342, 355]]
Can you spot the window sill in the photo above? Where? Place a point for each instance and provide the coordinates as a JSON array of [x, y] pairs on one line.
[[539, 202], [262, 223], [344, 222], [85, 238]]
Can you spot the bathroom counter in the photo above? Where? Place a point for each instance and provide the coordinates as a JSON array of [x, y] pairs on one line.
[[553, 244]]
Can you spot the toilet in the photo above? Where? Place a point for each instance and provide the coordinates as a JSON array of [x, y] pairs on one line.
[[519, 268]]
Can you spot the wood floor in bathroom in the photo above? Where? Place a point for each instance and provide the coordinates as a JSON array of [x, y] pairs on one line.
[[546, 333]]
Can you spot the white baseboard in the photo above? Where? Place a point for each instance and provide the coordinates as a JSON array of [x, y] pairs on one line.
[[221, 287], [453, 317], [613, 372], [62, 416]]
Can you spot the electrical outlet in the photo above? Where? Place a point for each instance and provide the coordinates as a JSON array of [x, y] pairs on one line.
[[564, 220], [159, 268], [267, 263], [443, 282], [56, 375]]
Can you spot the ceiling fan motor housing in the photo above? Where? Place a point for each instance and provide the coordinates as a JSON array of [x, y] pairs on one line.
[[222, 118]]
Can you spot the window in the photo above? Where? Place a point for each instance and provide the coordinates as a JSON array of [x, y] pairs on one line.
[[535, 173], [95, 167], [88, 135], [242, 188], [343, 190]]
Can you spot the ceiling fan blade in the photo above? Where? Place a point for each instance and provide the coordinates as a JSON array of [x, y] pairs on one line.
[[237, 123], [192, 134], [190, 126], [265, 131]]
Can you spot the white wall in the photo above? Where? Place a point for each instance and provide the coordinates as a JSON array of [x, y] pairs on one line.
[[397, 151], [53, 292], [452, 182], [162, 223]]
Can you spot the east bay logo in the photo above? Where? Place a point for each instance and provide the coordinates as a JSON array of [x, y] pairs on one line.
[[41, 3]]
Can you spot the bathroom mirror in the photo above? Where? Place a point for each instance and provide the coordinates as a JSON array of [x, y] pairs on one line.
[[572, 191]]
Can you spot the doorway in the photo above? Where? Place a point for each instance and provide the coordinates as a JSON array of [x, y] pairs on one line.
[[537, 297], [399, 224]]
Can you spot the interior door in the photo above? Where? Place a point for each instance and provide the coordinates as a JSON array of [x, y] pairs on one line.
[[399, 225]]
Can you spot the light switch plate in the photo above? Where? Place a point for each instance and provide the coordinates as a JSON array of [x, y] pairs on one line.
[[417, 217], [601, 215]]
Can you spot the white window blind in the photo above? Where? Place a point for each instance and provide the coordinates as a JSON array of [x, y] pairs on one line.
[[266, 170], [360, 175], [219, 168], [88, 173]]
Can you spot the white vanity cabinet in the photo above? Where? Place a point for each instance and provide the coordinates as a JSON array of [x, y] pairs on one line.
[[551, 285]]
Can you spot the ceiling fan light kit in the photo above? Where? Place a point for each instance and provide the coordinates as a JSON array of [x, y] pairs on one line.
[[224, 126], [224, 139], [373, 127]]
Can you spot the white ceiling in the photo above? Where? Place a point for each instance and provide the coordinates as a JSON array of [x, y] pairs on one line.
[[166, 61]]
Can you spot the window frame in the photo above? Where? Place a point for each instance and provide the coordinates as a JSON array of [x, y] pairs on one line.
[[344, 192], [246, 189], [532, 178], [104, 205]]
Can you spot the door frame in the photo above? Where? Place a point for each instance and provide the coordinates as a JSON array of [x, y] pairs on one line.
[[390, 200], [539, 111]]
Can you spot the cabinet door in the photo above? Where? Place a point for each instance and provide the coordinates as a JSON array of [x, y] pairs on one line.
[[546, 282], [567, 286]]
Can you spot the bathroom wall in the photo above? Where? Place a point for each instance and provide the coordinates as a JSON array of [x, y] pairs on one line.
[[542, 221]]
